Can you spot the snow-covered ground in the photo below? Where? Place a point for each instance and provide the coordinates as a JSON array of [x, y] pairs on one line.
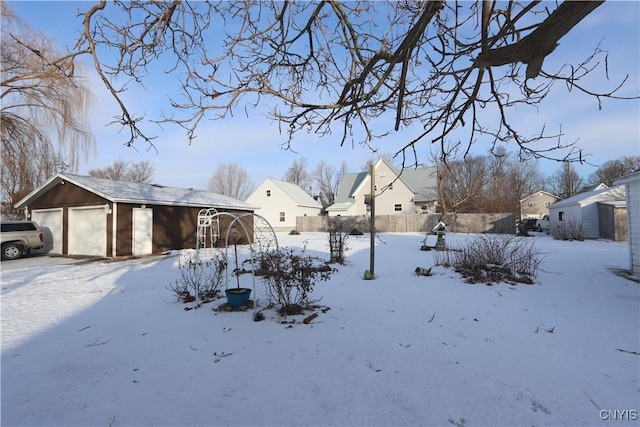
[[104, 343]]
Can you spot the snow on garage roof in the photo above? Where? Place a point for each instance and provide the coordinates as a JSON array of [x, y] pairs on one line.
[[131, 192]]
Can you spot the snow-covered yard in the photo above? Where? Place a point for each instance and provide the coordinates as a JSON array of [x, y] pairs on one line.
[[105, 344]]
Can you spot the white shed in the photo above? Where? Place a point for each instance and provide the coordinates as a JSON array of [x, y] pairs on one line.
[[580, 212], [280, 202], [631, 183]]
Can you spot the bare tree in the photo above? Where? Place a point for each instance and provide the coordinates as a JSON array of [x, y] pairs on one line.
[[509, 181], [462, 185], [299, 175], [231, 179], [492, 183], [611, 170], [44, 100], [330, 66], [123, 170], [140, 172], [565, 182], [328, 179]]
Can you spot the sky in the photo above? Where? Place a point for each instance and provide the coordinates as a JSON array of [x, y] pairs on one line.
[[400, 350], [255, 142]]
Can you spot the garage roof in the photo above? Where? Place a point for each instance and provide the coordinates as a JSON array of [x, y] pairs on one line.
[[131, 192], [603, 195]]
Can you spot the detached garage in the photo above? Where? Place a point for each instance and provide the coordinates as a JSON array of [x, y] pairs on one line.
[[579, 215], [82, 215]]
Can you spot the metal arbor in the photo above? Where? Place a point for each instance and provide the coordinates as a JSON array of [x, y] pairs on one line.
[[261, 237]]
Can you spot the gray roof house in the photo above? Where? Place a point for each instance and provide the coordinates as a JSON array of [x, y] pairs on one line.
[[407, 191]]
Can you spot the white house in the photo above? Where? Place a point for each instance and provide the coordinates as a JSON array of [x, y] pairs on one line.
[[280, 202], [407, 191], [581, 211], [631, 183]]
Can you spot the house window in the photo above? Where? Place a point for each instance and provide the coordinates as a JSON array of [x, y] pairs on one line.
[[281, 216], [268, 193], [547, 204], [530, 204], [560, 216], [397, 207], [391, 186]]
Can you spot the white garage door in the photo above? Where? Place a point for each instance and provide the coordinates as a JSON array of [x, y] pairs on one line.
[[88, 231], [50, 220]]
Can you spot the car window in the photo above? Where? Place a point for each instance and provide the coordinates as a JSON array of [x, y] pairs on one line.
[[18, 226]]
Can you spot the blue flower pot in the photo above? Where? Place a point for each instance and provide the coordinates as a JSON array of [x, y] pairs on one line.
[[238, 297]]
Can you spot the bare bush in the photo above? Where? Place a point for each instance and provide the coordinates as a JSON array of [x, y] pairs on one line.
[[290, 279], [494, 258], [200, 279], [568, 230]]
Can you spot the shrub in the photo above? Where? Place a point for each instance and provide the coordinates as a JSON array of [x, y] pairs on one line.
[[568, 230], [201, 277], [294, 233], [494, 258], [290, 278]]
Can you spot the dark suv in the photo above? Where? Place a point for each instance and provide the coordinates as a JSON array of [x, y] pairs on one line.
[[529, 224]]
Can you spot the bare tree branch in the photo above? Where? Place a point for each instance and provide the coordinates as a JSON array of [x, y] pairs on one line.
[[359, 69], [43, 115]]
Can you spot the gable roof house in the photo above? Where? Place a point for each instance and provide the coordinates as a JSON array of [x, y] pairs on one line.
[[537, 205], [84, 215], [407, 191], [631, 183], [586, 213], [280, 202]]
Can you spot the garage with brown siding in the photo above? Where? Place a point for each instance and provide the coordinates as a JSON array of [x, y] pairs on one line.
[[90, 216]]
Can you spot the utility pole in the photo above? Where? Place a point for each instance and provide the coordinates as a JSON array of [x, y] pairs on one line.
[[372, 224]]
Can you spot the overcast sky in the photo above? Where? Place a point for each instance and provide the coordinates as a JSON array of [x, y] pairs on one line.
[[255, 142]]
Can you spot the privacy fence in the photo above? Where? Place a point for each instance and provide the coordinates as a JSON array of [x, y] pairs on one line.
[[499, 223]]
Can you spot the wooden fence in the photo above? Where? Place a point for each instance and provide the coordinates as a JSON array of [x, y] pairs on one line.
[[499, 223]]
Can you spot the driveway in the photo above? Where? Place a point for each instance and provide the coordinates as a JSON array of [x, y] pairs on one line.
[[37, 260]]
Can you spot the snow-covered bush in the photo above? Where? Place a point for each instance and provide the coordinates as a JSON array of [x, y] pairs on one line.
[[199, 276], [290, 278], [493, 258]]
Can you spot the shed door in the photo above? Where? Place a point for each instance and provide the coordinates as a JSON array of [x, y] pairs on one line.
[[50, 220], [88, 231], [142, 231]]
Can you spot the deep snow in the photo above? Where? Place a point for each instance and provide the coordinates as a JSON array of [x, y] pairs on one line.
[[104, 343]]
